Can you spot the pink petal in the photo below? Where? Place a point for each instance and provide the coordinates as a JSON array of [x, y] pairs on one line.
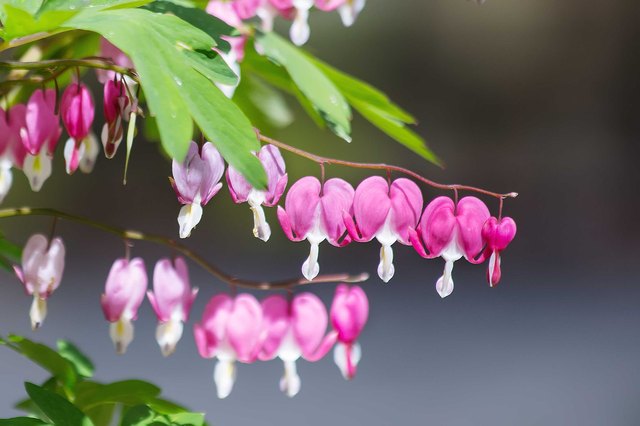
[[17, 122], [300, 205], [406, 205], [337, 198], [498, 234], [275, 323], [77, 110], [246, 9], [206, 342], [438, 224], [215, 316], [41, 120], [371, 206], [239, 188], [213, 164], [472, 213], [309, 322], [244, 327], [5, 136], [275, 168], [223, 9], [125, 289], [171, 288], [349, 312]]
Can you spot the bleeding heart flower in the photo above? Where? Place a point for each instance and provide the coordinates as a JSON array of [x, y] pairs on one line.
[[451, 232], [386, 213], [42, 123], [41, 273], [295, 330], [77, 111], [242, 191], [171, 300], [195, 181], [315, 213], [122, 297], [497, 233], [230, 330], [349, 314], [115, 104]]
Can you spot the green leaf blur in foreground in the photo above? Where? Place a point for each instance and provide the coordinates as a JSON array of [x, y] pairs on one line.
[[82, 364], [177, 78], [45, 357], [60, 411], [129, 392], [22, 421], [378, 109], [325, 97]]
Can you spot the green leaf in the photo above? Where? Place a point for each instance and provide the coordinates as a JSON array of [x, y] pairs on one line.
[[129, 392], [19, 23], [192, 419], [175, 89], [102, 414], [265, 106], [164, 406], [60, 411], [211, 25], [312, 82], [78, 5], [359, 91], [83, 365], [397, 130], [44, 356], [140, 415], [212, 66], [22, 421]]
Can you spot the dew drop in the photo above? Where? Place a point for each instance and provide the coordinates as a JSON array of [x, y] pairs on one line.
[[177, 80]]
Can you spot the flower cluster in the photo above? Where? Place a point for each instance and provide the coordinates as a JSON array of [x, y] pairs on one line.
[[234, 12], [388, 211], [232, 328], [242, 329]]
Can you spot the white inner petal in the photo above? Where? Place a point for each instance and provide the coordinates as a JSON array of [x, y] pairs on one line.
[[224, 376], [121, 333], [189, 217], [341, 358], [6, 178], [168, 335], [37, 168], [38, 311], [261, 228], [444, 285]]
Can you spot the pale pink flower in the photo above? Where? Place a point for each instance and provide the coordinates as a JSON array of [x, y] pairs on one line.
[[386, 213], [293, 330], [242, 191], [451, 232], [315, 212], [124, 292], [195, 181], [497, 233], [349, 314], [230, 330], [171, 300], [41, 273]]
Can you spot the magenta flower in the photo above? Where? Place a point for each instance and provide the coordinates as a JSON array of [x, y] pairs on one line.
[[241, 191], [497, 233], [123, 295], [230, 330], [295, 330], [77, 111], [171, 300], [315, 213], [349, 314], [385, 213], [115, 105], [41, 273], [17, 123], [40, 136], [195, 181], [451, 232]]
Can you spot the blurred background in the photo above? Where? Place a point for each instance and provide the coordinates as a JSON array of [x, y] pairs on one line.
[[539, 97]]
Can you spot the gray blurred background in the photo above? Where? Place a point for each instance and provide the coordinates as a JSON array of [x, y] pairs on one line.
[[539, 97]]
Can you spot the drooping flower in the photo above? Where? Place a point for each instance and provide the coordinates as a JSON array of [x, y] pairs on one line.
[[349, 314], [171, 300], [451, 232], [386, 213], [195, 181], [315, 212], [293, 330], [41, 273], [242, 191], [77, 111], [230, 330], [123, 295], [497, 233], [115, 105]]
